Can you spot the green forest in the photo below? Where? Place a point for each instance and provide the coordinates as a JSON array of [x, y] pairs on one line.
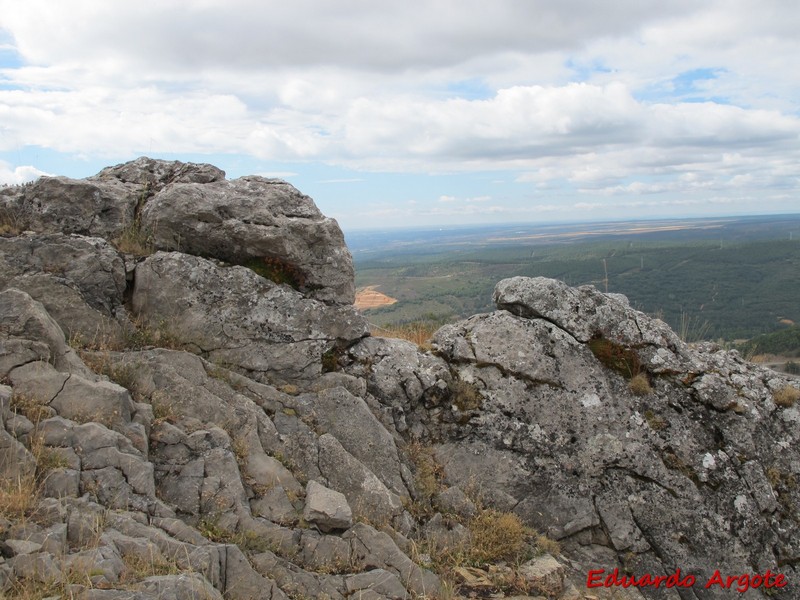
[[705, 289]]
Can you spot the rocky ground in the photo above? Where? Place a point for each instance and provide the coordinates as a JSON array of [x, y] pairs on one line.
[[193, 408]]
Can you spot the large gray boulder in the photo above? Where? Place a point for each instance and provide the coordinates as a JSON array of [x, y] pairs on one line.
[[257, 221], [28, 333], [64, 205], [686, 473], [234, 316]]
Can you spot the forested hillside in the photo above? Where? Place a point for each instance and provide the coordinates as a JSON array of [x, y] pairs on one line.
[[707, 289]]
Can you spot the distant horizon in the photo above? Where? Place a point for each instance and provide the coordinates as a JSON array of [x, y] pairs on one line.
[[455, 226]]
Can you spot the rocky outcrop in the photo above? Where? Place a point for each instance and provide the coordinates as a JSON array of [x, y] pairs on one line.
[[213, 419], [263, 223], [234, 316], [694, 472]]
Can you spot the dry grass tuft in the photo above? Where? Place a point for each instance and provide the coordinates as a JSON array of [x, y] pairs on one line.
[[428, 474], [786, 396], [418, 332], [135, 239], [10, 222], [465, 396], [640, 385], [497, 536]]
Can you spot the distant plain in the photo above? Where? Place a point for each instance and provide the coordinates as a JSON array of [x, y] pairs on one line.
[[727, 279]]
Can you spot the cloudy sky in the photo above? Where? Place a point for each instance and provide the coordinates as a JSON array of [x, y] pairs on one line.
[[421, 112]]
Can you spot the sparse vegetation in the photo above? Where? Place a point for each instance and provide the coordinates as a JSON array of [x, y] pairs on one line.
[[19, 495], [428, 475], [277, 270], [497, 536], [417, 332], [616, 357], [330, 359], [640, 385], [693, 328], [786, 396], [135, 239], [465, 395], [10, 222], [655, 422], [163, 409]]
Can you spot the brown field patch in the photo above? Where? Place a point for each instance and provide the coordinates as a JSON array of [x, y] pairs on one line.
[[368, 297]]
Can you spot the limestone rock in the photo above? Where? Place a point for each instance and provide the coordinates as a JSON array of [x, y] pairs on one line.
[[564, 441], [85, 207], [29, 333], [365, 493], [252, 219], [585, 313], [154, 175], [545, 575], [236, 317], [326, 508]]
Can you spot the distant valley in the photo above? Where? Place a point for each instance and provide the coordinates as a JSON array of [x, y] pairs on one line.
[[727, 279]]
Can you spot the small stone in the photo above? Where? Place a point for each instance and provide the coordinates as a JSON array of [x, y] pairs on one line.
[[326, 508]]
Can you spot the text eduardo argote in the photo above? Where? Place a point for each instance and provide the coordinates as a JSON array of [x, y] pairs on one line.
[[742, 582]]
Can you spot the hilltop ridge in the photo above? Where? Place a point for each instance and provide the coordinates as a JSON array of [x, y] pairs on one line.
[[193, 407]]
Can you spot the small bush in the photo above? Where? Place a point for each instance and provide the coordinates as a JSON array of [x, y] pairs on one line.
[[428, 474], [786, 396], [330, 359], [655, 422], [10, 223], [418, 332]]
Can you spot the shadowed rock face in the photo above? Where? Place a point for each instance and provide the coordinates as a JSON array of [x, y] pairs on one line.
[[269, 451]]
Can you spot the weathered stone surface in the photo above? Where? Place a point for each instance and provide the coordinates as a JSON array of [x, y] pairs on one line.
[[326, 508], [562, 440], [64, 205], [186, 586], [373, 549], [154, 175], [401, 378], [379, 581], [366, 494], [349, 420], [253, 218], [242, 582], [90, 265], [15, 460], [545, 575], [28, 333], [236, 317], [585, 313]]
